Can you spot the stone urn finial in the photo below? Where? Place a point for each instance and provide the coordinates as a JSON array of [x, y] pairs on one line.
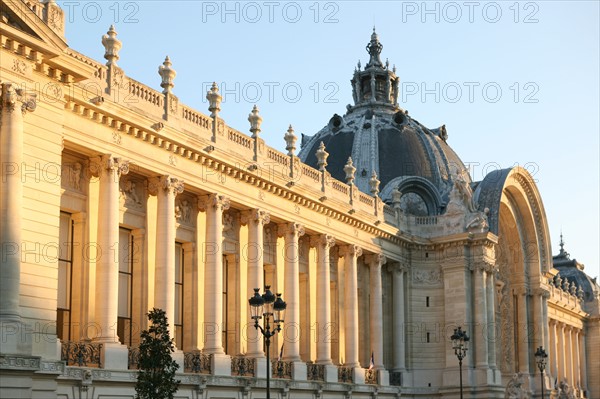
[[350, 171], [167, 74], [374, 184], [112, 45], [255, 121], [214, 100], [290, 141], [322, 156]]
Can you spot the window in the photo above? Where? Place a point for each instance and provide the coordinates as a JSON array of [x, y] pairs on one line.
[[178, 335], [65, 270], [125, 285]]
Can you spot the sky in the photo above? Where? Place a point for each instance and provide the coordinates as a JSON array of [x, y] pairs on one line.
[[515, 83]]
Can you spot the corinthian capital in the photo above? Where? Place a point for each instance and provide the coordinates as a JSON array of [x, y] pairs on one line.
[[258, 216], [375, 259], [292, 228], [325, 240], [13, 97], [351, 250], [107, 163], [171, 185], [215, 201]]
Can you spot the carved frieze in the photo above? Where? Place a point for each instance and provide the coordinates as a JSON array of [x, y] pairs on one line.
[[427, 276], [183, 211]]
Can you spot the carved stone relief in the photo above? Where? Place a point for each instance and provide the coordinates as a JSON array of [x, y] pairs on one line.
[[132, 193], [427, 276], [183, 211]]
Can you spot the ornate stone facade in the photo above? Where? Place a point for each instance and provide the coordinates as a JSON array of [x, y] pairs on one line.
[[377, 264]]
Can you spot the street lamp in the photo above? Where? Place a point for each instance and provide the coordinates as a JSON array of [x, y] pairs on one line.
[[263, 306], [460, 341], [540, 359]]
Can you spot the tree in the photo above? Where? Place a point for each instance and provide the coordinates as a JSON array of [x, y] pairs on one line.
[[156, 378]]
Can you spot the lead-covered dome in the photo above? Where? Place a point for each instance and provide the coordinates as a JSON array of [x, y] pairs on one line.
[[381, 137]]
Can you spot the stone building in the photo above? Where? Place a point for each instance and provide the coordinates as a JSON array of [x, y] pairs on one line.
[[117, 198]]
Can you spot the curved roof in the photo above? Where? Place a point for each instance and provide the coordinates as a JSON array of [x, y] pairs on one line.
[[381, 137]]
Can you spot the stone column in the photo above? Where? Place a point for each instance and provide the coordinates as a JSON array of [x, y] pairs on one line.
[[577, 378], [351, 254], [376, 307], [561, 352], [291, 233], [214, 205], [490, 330], [323, 243], [14, 105], [255, 219], [480, 344], [291, 327], [108, 169], [523, 336], [166, 189], [553, 350], [398, 273], [569, 355]]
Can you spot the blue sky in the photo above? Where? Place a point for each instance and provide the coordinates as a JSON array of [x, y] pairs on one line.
[[515, 83]]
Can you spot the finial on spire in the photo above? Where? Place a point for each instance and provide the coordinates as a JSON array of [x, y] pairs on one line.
[[112, 45], [374, 49], [562, 243]]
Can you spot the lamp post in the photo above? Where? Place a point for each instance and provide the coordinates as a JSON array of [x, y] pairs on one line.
[[264, 307], [540, 359], [460, 341]]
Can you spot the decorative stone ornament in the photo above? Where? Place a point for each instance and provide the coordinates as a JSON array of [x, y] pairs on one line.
[[290, 141], [255, 121], [322, 156], [396, 197], [214, 100], [374, 184], [167, 74], [112, 45], [350, 171]]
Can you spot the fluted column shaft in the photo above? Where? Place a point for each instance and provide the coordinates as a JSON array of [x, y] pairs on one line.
[[166, 189], [399, 319], [109, 170], [553, 350], [214, 205], [13, 105], [323, 244], [351, 254], [292, 232], [256, 219], [376, 308], [561, 350], [569, 354]]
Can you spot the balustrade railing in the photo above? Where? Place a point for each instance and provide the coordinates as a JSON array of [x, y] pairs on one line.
[[315, 372], [345, 374], [282, 369], [371, 376], [395, 378], [242, 366], [196, 362], [81, 354]]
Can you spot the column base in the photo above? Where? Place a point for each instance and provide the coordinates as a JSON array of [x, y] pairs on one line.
[[358, 375], [299, 371], [114, 356], [15, 338], [383, 377], [260, 367], [178, 356], [220, 364], [331, 373]]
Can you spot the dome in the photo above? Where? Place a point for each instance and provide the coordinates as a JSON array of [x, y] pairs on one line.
[[572, 271], [380, 136]]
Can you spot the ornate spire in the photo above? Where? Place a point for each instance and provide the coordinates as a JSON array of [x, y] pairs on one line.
[[374, 49], [376, 84]]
